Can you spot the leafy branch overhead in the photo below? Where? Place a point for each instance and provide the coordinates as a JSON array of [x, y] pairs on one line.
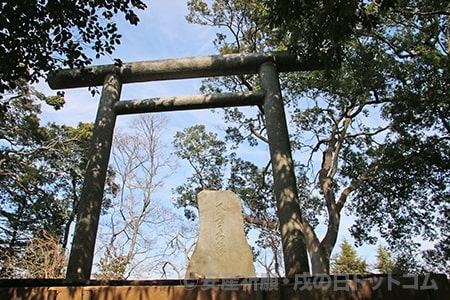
[[39, 36]]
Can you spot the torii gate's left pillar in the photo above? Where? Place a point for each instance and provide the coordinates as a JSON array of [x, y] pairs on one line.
[[83, 245]]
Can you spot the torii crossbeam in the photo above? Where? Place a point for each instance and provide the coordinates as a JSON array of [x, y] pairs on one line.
[[267, 65]]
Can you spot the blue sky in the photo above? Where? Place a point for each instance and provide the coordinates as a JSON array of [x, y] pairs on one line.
[[162, 33]]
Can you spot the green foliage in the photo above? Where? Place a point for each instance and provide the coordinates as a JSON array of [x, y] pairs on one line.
[[38, 36], [438, 259], [205, 154], [254, 186], [239, 12], [347, 261], [407, 262], [40, 174], [209, 159], [315, 25], [56, 101], [385, 263]]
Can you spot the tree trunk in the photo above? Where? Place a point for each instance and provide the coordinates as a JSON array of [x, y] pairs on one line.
[[320, 262], [318, 254]]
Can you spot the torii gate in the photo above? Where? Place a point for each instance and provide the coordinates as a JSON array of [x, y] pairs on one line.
[[267, 65]]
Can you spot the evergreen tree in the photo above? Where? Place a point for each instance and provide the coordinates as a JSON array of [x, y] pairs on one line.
[[347, 261], [385, 263]]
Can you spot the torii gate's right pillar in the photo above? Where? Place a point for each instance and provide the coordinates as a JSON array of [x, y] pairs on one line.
[[285, 186]]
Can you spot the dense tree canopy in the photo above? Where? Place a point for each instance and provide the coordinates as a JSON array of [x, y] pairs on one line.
[[41, 174], [372, 136], [38, 36]]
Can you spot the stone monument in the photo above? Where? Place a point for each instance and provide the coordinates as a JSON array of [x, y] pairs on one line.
[[222, 250]]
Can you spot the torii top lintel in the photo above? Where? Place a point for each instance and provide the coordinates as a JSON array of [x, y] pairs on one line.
[[180, 68]]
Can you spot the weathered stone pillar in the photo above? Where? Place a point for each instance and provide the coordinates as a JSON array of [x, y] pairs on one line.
[[285, 187], [83, 245]]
